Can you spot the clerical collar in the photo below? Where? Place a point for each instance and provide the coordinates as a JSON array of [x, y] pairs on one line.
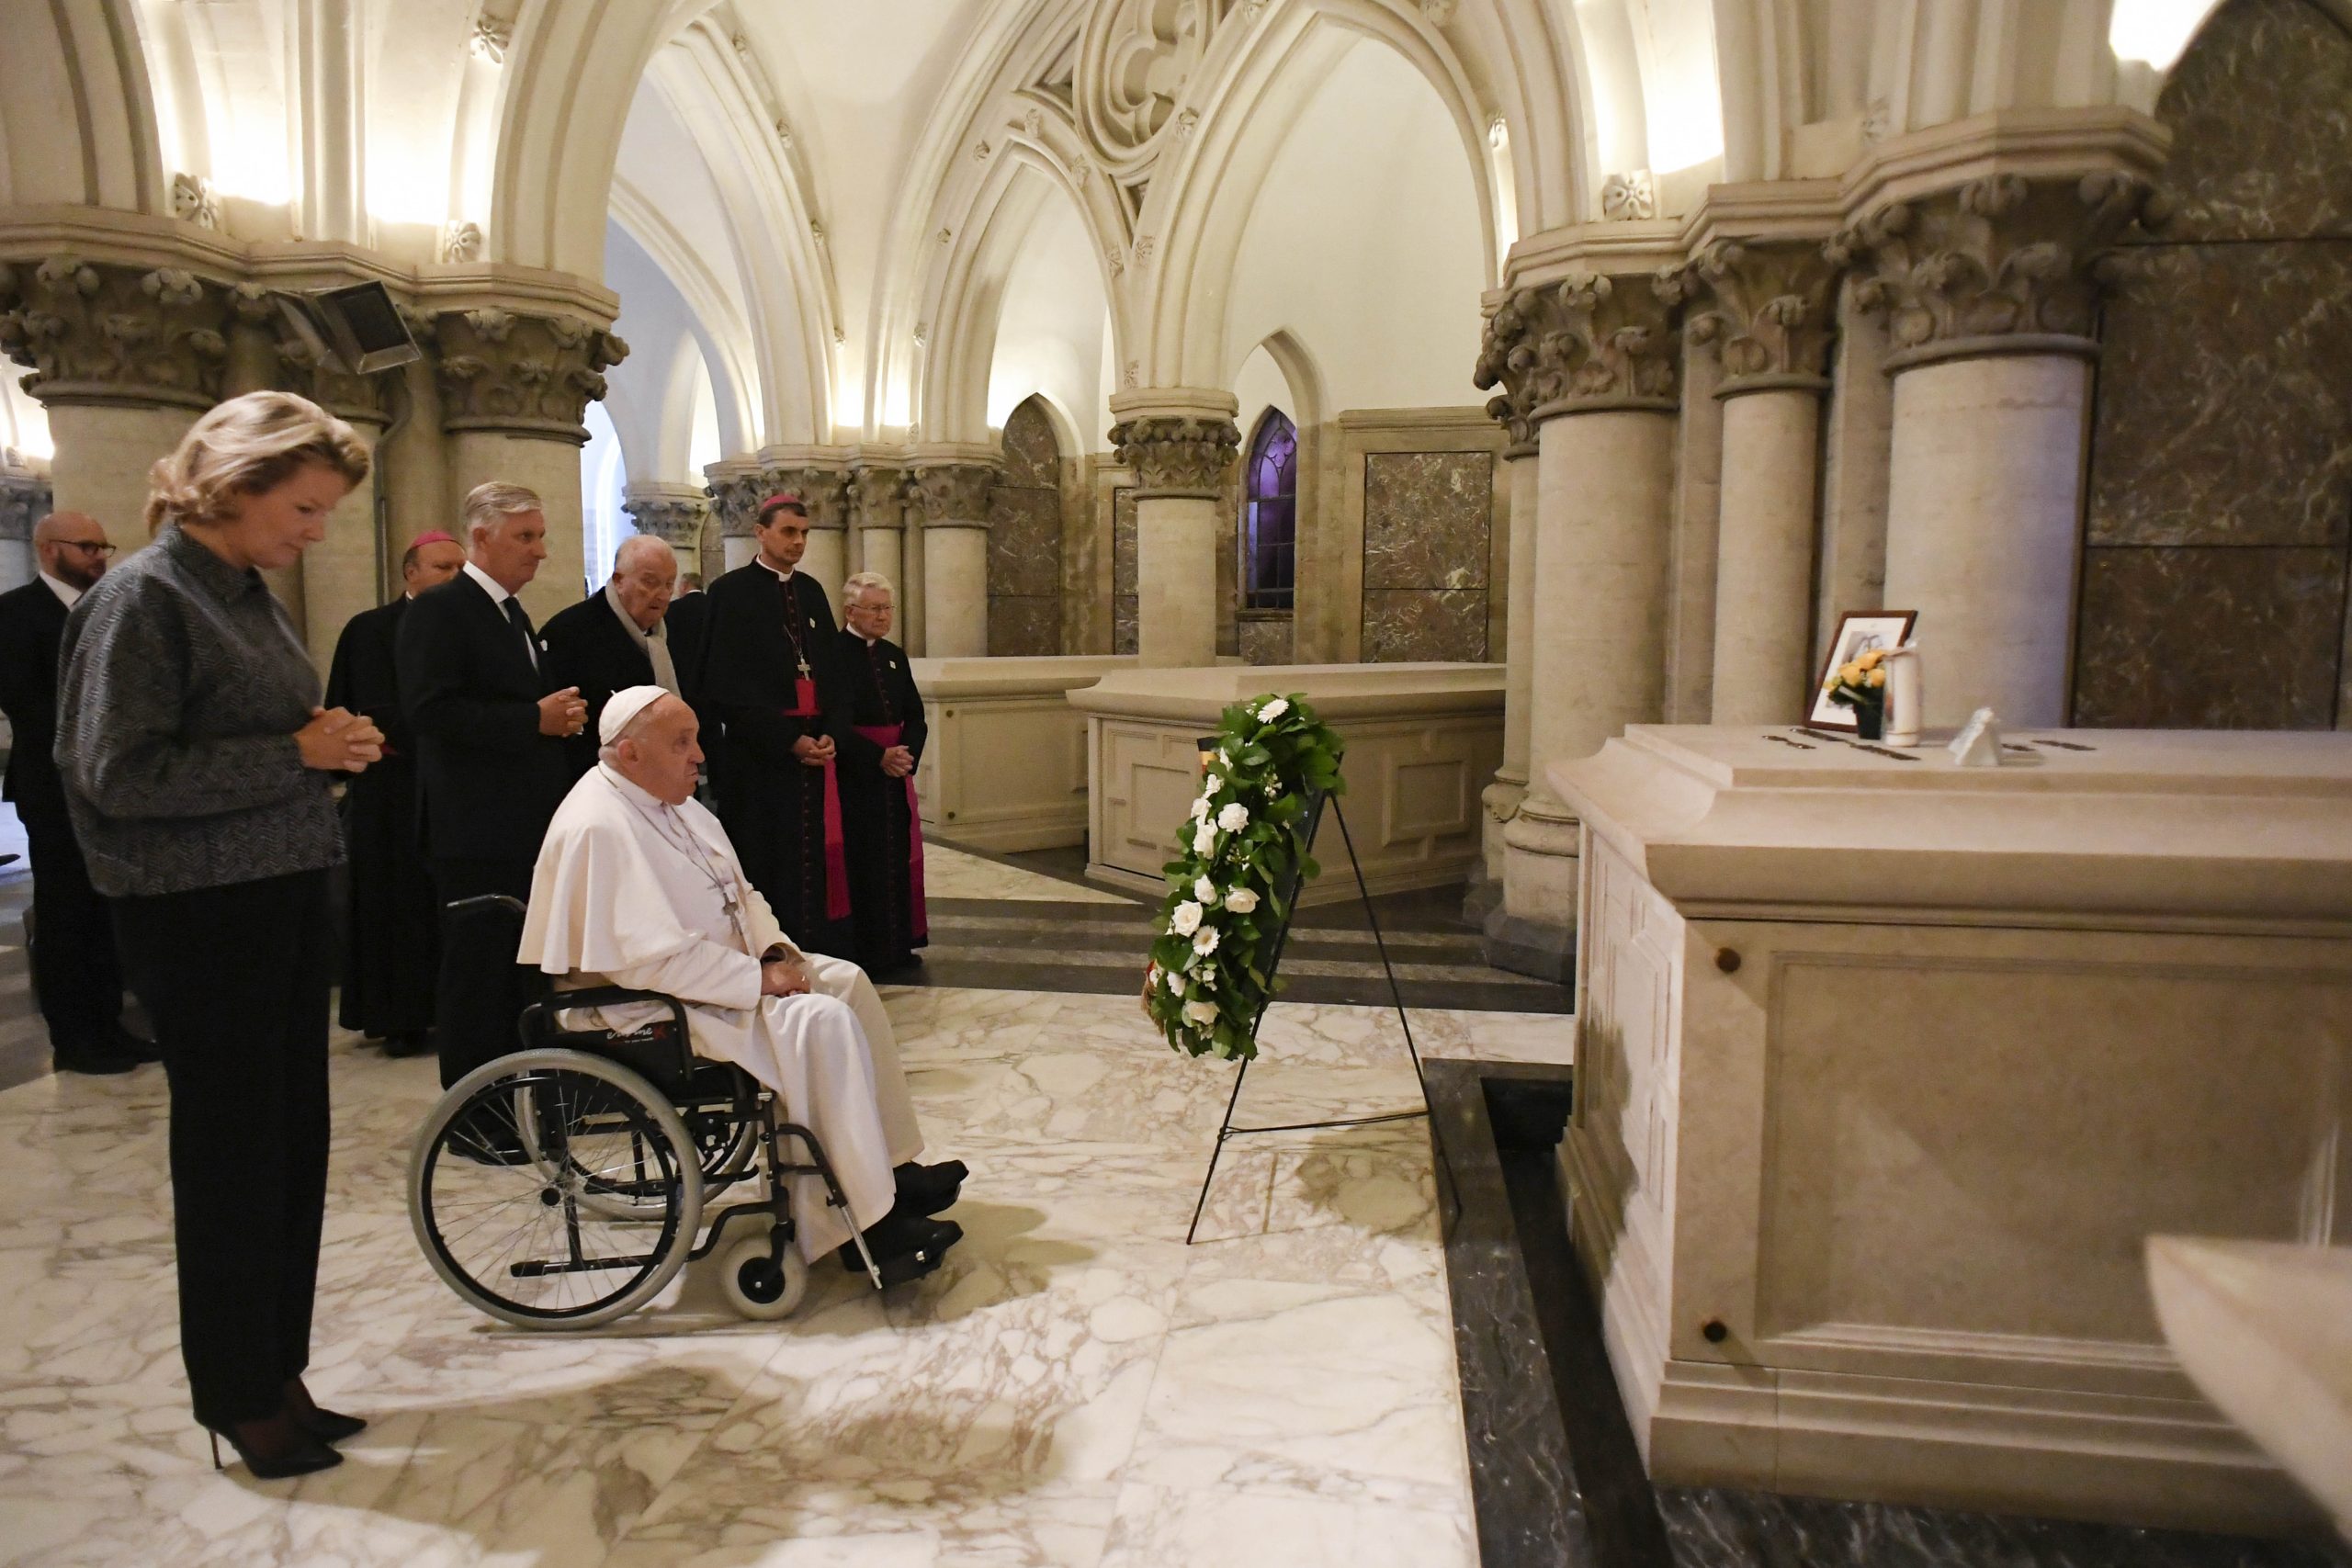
[[781, 575], [490, 585]]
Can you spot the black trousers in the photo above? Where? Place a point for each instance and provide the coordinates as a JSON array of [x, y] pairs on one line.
[[236, 980], [483, 991], [73, 953]]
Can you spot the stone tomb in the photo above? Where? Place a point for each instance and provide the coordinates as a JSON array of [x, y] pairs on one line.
[[1886, 1070]]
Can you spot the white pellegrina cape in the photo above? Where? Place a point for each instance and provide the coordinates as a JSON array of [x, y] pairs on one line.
[[630, 891]]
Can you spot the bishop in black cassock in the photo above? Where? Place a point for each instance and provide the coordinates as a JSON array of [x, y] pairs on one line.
[[392, 931], [882, 820], [770, 676]]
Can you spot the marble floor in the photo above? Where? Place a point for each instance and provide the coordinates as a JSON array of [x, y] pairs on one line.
[[1076, 1387], [951, 872]]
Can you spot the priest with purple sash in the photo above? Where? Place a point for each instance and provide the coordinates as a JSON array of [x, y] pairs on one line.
[[770, 673], [879, 757]]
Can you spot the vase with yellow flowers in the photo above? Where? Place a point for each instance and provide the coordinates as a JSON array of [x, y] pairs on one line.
[[1859, 683]]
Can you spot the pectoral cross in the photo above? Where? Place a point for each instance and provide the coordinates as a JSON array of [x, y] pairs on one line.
[[803, 667]]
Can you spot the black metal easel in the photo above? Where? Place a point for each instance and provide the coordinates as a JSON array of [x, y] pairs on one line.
[[1296, 881]]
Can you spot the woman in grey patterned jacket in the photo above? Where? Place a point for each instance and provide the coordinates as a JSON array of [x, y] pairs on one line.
[[196, 763]]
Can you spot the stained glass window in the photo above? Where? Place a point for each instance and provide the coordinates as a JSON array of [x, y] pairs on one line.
[[1269, 516]]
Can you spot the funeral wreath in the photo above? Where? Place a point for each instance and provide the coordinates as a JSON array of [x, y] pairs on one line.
[[1248, 832]]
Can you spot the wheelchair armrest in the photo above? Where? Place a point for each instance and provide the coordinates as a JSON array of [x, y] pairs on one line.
[[506, 901], [615, 996]]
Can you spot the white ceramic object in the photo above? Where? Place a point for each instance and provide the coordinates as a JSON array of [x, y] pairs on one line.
[[1978, 744], [2265, 1328], [1903, 697]]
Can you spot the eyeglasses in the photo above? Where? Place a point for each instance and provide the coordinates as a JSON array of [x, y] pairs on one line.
[[104, 552]]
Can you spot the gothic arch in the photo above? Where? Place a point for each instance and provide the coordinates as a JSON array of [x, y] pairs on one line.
[[78, 109]]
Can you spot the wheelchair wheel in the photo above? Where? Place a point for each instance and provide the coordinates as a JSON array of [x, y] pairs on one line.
[[759, 1286], [502, 1172], [724, 1138]]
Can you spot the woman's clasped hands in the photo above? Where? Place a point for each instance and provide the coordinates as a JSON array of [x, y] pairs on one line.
[[338, 741]]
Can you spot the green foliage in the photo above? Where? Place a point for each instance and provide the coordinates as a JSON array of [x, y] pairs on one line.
[[1248, 834]]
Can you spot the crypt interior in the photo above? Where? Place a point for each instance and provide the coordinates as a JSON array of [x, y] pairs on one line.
[[1835, 1154]]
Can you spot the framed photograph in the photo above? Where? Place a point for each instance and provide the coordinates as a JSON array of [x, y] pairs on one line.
[[1858, 632]]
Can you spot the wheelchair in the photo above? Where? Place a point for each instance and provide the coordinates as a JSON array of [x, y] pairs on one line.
[[564, 1185]]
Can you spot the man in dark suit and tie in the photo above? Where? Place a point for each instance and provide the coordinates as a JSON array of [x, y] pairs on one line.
[[491, 726], [72, 955], [616, 638]]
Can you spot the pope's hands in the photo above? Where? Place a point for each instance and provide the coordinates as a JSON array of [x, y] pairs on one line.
[[814, 751], [783, 977], [897, 761], [561, 714], [338, 741]]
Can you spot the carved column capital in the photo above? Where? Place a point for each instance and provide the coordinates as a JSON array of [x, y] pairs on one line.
[[1764, 307], [100, 332], [2001, 264], [1176, 454], [521, 374], [951, 489], [822, 489], [735, 493], [297, 367], [1588, 344], [25, 496], [671, 513], [879, 494]]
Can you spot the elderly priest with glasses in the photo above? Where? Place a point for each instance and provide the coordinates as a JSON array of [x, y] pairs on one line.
[[637, 885]]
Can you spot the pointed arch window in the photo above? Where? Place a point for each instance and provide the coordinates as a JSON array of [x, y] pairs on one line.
[[1269, 516]]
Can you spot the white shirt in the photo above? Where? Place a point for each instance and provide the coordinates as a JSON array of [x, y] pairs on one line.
[[498, 596], [66, 593]]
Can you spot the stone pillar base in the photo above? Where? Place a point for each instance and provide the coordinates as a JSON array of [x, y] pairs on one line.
[[1534, 932]]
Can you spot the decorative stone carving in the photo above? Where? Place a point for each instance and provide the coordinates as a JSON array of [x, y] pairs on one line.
[[825, 492], [102, 334], [460, 240], [492, 36], [953, 494], [735, 498], [25, 496], [879, 494], [1135, 58], [524, 375], [1766, 308], [194, 201], [1628, 196], [301, 369], [1437, 13], [1584, 344], [2000, 265], [1176, 456], [675, 520]]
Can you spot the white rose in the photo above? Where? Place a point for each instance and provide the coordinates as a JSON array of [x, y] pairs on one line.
[[1222, 758], [1203, 838], [1211, 787], [1241, 900], [1205, 890], [1205, 941], [1272, 711], [1200, 1012], [1175, 981], [1234, 817], [1207, 977], [1186, 919], [1201, 809]]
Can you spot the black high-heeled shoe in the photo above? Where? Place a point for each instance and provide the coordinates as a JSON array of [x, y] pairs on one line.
[[303, 1457], [327, 1426]]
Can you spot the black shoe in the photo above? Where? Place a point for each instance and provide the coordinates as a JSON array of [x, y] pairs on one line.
[[415, 1043], [281, 1460], [326, 1426], [928, 1188], [128, 1044], [99, 1060]]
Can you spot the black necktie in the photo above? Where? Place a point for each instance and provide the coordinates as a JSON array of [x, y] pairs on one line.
[[523, 624]]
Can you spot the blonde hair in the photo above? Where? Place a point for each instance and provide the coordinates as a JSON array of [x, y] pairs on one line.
[[488, 505], [856, 586], [245, 446]]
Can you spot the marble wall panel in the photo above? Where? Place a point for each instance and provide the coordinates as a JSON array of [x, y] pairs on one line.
[[2211, 639], [1409, 625], [1032, 456], [1025, 625], [2224, 412], [1122, 570], [1426, 519], [2260, 108], [1026, 540], [1265, 639]]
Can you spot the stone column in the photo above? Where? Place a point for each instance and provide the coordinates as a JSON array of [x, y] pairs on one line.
[[1502, 796], [879, 494], [1593, 357], [1765, 309], [123, 359], [513, 387], [1179, 442], [735, 495], [673, 514], [1991, 292], [951, 482], [819, 477], [24, 501]]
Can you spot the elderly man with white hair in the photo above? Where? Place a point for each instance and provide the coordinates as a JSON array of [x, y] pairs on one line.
[[637, 885], [615, 638]]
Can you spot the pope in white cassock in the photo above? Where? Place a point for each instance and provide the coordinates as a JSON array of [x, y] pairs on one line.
[[637, 885]]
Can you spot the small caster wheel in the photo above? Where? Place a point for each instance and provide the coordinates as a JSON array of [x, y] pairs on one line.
[[756, 1285]]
